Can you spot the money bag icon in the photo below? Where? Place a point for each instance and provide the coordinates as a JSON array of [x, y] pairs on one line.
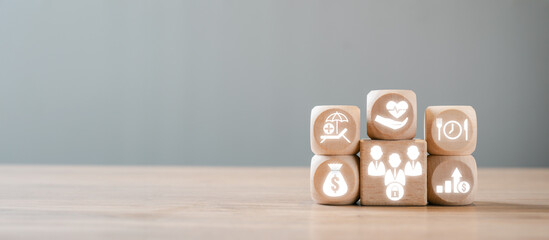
[[335, 185]]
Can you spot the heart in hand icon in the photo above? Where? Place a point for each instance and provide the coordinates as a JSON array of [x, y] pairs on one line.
[[397, 109]]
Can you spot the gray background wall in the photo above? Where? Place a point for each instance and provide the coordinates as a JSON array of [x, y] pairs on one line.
[[233, 82]]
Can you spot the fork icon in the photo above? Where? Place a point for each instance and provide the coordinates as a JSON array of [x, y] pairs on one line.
[[439, 126]]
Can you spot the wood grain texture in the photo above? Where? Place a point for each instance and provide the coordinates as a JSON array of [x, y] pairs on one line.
[[344, 123], [84, 202], [375, 190], [378, 105], [440, 173], [460, 120], [321, 173]]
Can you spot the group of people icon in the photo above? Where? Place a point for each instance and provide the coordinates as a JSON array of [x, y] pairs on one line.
[[395, 177]]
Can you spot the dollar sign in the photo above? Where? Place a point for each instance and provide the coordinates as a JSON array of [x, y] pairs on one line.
[[335, 185], [464, 187]]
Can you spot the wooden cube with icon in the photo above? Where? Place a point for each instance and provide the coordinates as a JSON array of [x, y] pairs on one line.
[[391, 114], [335, 130], [451, 180], [393, 172], [334, 180], [451, 130]]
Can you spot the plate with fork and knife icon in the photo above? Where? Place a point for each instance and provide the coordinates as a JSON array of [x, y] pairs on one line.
[[452, 129]]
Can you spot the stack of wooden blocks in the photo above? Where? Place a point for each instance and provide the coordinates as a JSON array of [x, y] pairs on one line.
[[393, 168]]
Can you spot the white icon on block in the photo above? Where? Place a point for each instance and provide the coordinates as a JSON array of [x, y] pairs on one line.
[[394, 191], [332, 132], [452, 129], [413, 167], [334, 184], [395, 177], [455, 185], [376, 167], [396, 110]]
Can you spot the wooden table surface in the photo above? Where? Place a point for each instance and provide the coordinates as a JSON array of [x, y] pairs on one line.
[[91, 202]]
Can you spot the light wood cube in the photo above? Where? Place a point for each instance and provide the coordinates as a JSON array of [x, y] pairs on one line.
[[451, 130], [393, 172], [335, 130], [391, 114], [451, 180], [334, 179]]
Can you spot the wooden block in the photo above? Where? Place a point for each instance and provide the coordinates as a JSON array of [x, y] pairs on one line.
[[335, 130], [393, 172], [334, 179], [451, 130], [451, 180], [391, 114]]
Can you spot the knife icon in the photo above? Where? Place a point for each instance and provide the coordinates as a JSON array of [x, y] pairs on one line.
[[466, 128]]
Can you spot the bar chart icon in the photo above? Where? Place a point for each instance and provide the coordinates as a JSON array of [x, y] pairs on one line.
[[455, 185]]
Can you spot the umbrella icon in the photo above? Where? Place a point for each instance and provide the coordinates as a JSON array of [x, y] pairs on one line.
[[337, 117]]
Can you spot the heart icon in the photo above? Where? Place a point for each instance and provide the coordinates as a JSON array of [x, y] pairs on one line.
[[397, 109]]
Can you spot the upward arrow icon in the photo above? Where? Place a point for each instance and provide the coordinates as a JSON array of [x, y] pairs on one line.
[[457, 177]]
